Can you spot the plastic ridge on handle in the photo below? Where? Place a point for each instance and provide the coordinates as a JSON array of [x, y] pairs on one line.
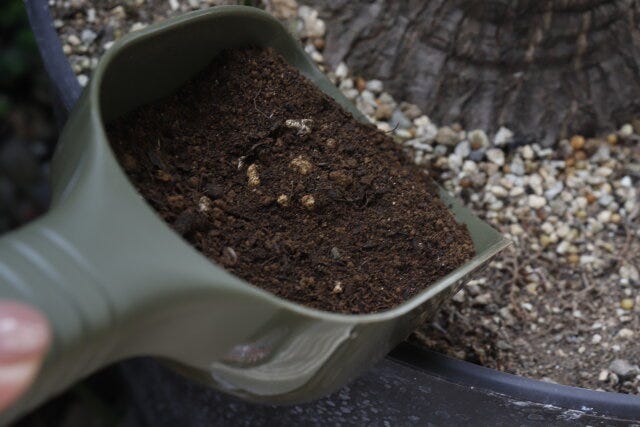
[[40, 266]]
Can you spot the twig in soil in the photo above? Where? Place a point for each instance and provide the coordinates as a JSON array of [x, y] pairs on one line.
[[394, 129], [426, 340], [253, 147], [255, 105], [629, 236], [439, 328], [515, 268], [588, 286]]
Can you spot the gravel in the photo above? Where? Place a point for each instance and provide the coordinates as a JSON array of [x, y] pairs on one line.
[[623, 369], [563, 303]]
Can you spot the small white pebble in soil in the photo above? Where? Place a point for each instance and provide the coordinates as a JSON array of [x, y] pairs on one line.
[[253, 176], [204, 204], [118, 12], [626, 130], [446, 136], [527, 152], [603, 375], [308, 201], [503, 136], [596, 339], [459, 296], [604, 217], [499, 191], [341, 70], [138, 26], [283, 200], [623, 369], [91, 15], [311, 25], [317, 56], [625, 333], [303, 126], [301, 165], [337, 288], [629, 272], [626, 181], [374, 86], [536, 202], [88, 36], [73, 40], [83, 80], [478, 139]]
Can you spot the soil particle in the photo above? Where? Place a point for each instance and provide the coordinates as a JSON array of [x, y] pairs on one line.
[[231, 160]]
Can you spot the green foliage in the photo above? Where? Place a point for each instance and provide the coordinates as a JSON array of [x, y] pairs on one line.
[[11, 13], [18, 52]]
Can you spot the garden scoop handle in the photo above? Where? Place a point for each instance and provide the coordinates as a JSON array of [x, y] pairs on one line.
[[41, 268], [111, 293]]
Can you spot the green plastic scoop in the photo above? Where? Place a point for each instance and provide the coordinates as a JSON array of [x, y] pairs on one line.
[[115, 281]]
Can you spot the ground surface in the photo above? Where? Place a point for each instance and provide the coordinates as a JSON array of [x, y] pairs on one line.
[[564, 304]]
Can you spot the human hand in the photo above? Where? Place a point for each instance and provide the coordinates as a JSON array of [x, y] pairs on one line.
[[25, 336]]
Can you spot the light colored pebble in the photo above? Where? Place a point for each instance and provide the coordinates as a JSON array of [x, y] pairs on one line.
[[374, 86], [303, 126], [626, 130], [536, 202], [625, 333], [88, 36], [499, 191], [446, 136], [204, 204], [604, 217], [283, 200], [627, 304], [603, 375], [253, 178], [478, 139], [308, 201], [502, 137], [83, 80], [301, 165], [527, 152], [342, 70], [495, 155], [623, 369]]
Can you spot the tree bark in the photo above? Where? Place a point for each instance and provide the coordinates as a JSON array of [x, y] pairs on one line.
[[543, 68]]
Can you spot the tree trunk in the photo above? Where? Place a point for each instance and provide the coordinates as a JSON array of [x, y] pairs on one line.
[[543, 68]]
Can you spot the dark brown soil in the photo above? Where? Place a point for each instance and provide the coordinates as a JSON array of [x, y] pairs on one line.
[[269, 177]]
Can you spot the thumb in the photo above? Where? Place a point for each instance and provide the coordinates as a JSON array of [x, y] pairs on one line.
[[24, 340]]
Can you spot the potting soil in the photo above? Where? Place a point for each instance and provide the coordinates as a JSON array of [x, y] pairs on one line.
[[270, 178]]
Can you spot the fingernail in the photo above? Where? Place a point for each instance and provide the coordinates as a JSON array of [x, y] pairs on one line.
[[24, 332], [24, 339]]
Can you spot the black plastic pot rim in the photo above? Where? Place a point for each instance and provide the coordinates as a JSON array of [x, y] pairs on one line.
[[66, 91]]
